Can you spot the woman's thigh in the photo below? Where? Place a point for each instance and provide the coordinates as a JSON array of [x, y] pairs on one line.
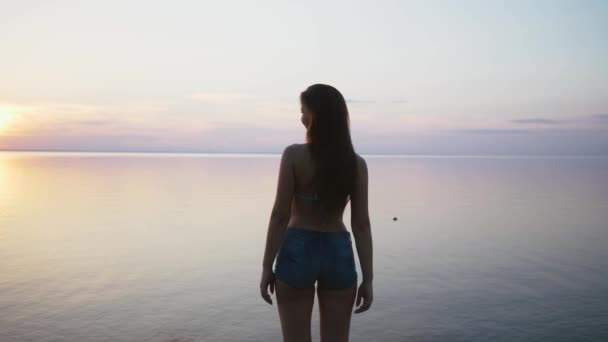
[[335, 312], [295, 310]]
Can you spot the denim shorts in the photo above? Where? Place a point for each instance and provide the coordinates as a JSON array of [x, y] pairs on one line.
[[307, 256]]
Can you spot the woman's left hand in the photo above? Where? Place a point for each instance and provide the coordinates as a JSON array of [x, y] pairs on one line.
[[267, 281]]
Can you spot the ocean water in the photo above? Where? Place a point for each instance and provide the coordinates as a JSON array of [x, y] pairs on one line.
[[168, 247]]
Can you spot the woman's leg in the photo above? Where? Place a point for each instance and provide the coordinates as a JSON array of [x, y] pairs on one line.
[[295, 311], [337, 286], [335, 312]]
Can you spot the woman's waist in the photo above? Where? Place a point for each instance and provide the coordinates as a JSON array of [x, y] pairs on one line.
[[310, 224]]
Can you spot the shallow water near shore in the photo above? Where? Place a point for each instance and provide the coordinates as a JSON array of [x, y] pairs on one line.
[[168, 247]]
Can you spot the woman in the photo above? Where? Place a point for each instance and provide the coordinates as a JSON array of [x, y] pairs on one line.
[[315, 182]]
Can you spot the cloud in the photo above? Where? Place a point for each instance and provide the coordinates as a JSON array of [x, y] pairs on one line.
[[535, 121], [94, 122], [359, 101], [490, 130], [585, 121], [372, 101], [600, 116], [560, 141], [257, 138], [89, 142]]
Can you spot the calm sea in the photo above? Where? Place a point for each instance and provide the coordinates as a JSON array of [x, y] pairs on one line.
[[168, 247]]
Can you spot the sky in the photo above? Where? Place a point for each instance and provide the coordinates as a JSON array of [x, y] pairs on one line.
[[420, 77]]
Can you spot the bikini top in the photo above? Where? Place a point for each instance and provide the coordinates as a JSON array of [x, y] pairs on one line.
[[314, 197]]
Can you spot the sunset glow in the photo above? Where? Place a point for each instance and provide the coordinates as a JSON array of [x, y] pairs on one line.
[[419, 77], [5, 118]]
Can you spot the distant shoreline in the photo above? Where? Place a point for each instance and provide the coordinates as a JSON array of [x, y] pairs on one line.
[[276, 154]]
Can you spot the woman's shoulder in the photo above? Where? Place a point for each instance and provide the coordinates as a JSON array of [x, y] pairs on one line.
[[296, 148], [293, 151], [360, 159], [361, 164], [300, 149]]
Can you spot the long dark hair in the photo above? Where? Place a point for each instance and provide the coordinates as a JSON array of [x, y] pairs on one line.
[[328, 137]]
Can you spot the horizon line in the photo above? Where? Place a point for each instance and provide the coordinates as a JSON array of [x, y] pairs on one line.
[[279, 153]]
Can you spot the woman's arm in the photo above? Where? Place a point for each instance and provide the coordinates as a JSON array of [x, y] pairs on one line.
[[363, 236], [281, 211], [360, 222]]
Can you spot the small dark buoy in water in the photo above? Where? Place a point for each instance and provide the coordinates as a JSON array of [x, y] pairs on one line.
[[394, 219]]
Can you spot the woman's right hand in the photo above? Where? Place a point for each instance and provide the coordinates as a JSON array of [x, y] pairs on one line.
[[365, 292]]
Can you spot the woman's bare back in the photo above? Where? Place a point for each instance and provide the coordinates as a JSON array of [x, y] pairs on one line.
[[307, 212]]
